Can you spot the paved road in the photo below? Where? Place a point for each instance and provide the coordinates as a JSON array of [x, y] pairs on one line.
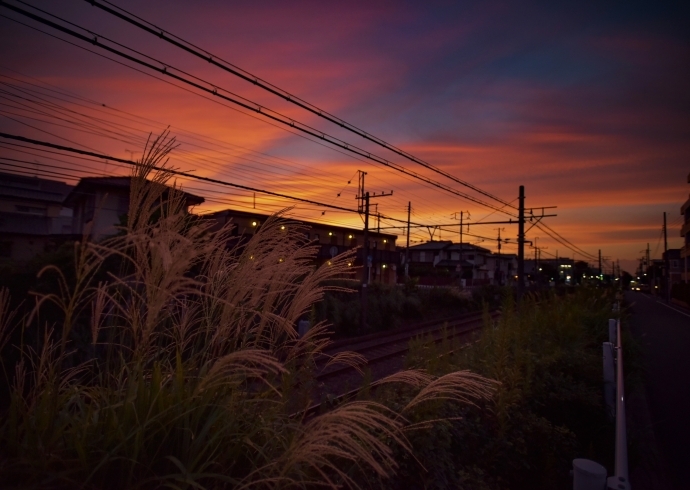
[[664, 335]]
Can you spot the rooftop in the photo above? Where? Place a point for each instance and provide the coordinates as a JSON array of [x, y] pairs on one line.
[[230, 213], [33, 188], [87, 184]]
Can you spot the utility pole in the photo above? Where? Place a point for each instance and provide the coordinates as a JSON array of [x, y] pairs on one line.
[[365, 270], [666, 264], [498, 262], [364, 198], [455, 216], [600, 270], [521, 243], [407, 249]]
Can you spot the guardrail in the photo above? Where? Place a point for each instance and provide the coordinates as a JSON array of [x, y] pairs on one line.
[[590, 475]]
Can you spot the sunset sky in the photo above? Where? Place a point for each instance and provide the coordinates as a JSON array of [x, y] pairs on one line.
[[585, 104]]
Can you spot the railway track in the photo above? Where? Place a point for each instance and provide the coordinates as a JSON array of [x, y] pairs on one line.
[[385, 354]]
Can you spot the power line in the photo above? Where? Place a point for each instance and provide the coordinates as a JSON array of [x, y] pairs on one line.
[[213, 89], [567, 243], [87, 121], [219, 102], [558, 238], [185, 174], [235, 70]]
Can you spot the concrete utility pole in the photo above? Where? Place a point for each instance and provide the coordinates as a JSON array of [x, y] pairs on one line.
[[498, 263], [365, 265], [521, 244], [455, 216], [364, 199], [600, 270], [407, 249]]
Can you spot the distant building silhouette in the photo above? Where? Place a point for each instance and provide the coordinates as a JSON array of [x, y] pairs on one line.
[[32, 217], [102, 203], [332, 240]]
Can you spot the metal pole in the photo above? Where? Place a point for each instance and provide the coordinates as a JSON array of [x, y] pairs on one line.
[[521, 244]]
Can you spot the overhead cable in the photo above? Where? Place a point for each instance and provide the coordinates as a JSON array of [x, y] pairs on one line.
[[167, 69], [259, 82]]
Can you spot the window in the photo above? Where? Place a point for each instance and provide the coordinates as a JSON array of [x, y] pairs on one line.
[[422, 256]]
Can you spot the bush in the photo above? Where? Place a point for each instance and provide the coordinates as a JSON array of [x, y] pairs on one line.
[[547, 410]]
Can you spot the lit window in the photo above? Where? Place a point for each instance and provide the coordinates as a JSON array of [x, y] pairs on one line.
[[385, 241], [282, 227], [254, 223], [349, 236], [330, 233], [384, 266]]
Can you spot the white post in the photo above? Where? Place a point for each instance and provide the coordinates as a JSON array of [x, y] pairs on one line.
[[608, 350], [588, 475]]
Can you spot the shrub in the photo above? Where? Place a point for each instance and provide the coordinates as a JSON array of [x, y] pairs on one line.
[[547, 409]]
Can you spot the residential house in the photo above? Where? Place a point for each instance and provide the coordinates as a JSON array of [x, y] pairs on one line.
[[675, 269], [102, 203], [445, 263], [505, 269], [32, 218]]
